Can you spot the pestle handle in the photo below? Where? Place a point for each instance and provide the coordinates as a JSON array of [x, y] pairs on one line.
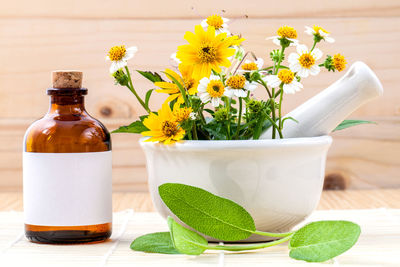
[[322, 113]]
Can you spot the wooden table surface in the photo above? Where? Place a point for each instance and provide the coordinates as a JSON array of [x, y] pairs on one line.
[[141, 202]]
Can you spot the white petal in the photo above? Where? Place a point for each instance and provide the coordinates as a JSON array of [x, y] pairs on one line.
[[228, 92], [215, 101], [294, 42], [293, 57], [322, 33], [204, 81], [289, 89], [116, 65], [132, 49], [309, 30], [273, 81], [201, 88], [297, 84], [295, 67], [241, 93], [205, 97], [225, 20], [314, 70], [204, 23], [259, 62], [303, 72], [316, 53], [329, 39], [214, 77], [301, 49], [276, 41], [250, 86]]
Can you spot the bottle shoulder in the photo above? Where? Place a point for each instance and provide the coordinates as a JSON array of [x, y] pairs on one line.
[[67, 134]]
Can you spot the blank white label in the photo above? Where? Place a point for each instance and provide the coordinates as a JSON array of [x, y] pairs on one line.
[[67, 189]]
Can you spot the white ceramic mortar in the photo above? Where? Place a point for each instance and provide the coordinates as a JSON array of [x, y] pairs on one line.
[[278, 181]]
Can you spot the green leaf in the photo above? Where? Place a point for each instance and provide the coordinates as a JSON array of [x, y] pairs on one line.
[[135, 127], [148, 95], [350, 123], [207, 213], [151, 76], [156, 242], [186, 241], [323, 240]]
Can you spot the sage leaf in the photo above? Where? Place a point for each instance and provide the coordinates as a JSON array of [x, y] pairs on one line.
[[207, 213], [160, 242], [323, 240], [135, 127], [186, 241], [350, 123]]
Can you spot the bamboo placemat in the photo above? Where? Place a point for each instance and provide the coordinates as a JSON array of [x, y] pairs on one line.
[[379, 244]]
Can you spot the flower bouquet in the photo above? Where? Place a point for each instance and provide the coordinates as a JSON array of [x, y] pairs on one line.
[[210, 87]]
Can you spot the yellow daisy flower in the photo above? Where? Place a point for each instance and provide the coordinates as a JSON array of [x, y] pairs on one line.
[[189, 83], [163, 127], [181, 114], [339, 62], [206, 51]]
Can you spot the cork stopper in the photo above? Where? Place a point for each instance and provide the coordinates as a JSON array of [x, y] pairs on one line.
[[67, 79]]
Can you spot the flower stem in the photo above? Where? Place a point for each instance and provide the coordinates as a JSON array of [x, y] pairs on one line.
[[312, 48], [134, 91], [273, 114], [280, 112], [239, 119], [251, 247]]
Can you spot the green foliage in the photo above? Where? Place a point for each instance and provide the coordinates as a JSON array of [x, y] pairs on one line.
[[151, 76], [222, 115], [160, 242], [323, 240], [350, 123], [224, 219], [147, 98], [134, 127], [186, 241], [212, 215]]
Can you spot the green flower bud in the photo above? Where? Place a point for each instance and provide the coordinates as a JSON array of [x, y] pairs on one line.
[[121, 78], [221, 115]]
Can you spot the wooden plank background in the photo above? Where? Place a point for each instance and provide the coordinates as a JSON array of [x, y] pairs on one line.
[[37, 37]]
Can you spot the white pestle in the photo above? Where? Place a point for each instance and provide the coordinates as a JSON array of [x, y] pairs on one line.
[[322, 113]]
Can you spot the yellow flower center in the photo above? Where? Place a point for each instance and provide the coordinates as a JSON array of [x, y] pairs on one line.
[[339, 62], [182, 114], [236, 82], [316, 28], [116, 53], [207, 53], [250, 66], [286, 76], [215, 88], [169, 128], [306, 60], [287, 32], [189, 83], [215, 21]]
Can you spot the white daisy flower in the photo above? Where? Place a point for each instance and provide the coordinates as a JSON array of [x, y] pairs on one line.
[[304, 62], [276, 40], [218, 22], [211, 90], [119, 55], [321, 32], [286, 78], [285, 32], [238, 86], [250, 66]]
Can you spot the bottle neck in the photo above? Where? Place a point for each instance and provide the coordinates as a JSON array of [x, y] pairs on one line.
[[67, 104]]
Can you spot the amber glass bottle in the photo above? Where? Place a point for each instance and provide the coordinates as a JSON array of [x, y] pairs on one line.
[[67, 170]]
